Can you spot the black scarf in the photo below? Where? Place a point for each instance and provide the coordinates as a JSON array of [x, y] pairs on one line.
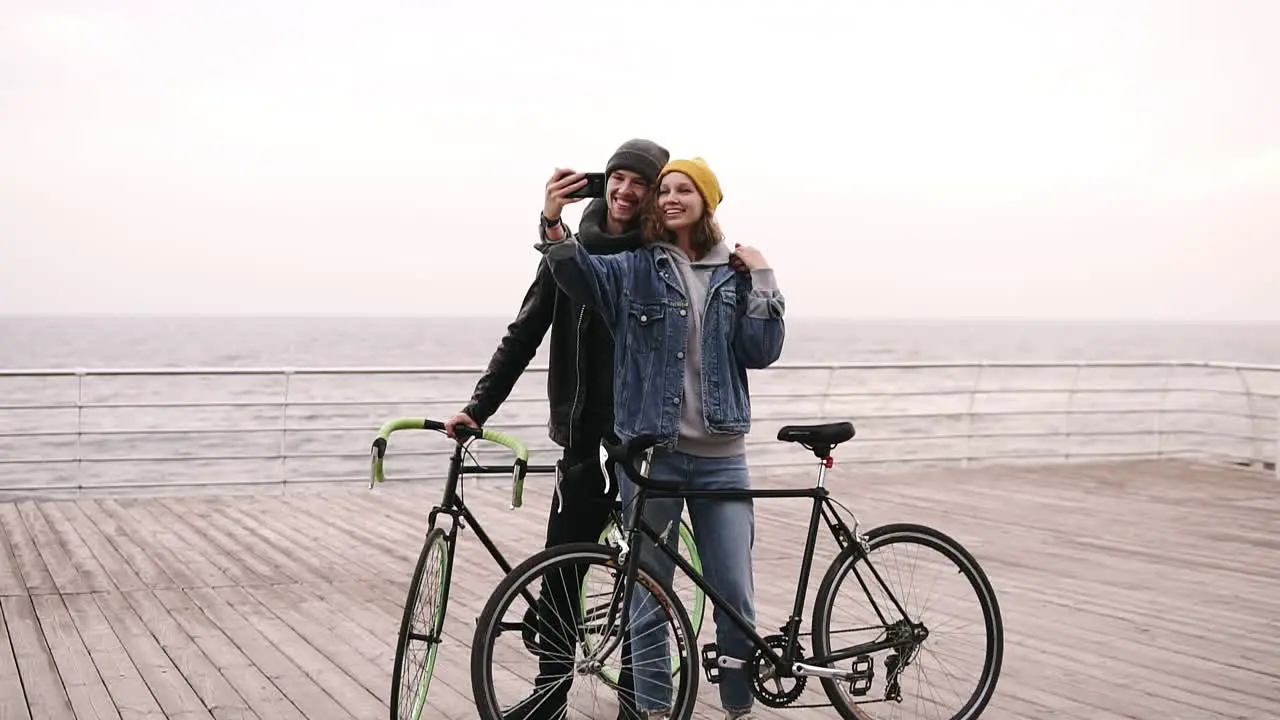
[[597, 240]]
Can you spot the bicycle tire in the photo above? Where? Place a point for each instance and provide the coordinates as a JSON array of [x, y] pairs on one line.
[[525, 578], [954, 551], [436, 541], [686, 541]]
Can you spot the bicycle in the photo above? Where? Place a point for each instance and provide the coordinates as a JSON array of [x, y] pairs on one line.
[[779, 667], [413, 669]]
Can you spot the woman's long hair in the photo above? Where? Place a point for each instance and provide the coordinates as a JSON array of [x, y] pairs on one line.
[[706, 233]]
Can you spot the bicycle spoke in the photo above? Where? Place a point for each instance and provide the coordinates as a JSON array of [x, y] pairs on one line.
[[922, 607], [576, 662]]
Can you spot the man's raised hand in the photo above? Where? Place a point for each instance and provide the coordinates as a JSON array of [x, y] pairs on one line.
[[562, 183]]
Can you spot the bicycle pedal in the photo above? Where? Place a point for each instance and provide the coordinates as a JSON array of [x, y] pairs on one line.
[[711, 662], [863, 672]]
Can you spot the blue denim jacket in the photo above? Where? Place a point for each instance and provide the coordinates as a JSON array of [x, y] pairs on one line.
[[639, 295]]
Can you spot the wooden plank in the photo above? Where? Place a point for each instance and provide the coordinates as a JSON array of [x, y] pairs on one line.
[[254, 536], [256, 544], [46, 697], [79, 676], [10, 574], [124, 682], [261, 695], [117, 538], [241, 567], [35, 575], [167, 685], [149, 547], [64, 573], [308, 650], [119, 574], [204, 677], [13, 699], [208, 563], [375, 547], [294, 678], [1118, 581], [360, 654], [93, 576], [376, 609], [300, 535]]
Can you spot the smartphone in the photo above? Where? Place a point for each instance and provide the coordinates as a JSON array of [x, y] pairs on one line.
[[593, 189]]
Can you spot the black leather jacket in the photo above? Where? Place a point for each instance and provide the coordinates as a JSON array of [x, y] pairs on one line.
[[579, 381]]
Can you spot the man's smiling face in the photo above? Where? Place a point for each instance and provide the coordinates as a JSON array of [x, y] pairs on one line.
[[624, 192]]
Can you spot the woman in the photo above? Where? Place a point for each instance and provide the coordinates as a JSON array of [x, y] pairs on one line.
[[689, 318]]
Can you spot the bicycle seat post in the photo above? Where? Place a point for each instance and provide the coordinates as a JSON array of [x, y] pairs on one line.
[[825, 461]]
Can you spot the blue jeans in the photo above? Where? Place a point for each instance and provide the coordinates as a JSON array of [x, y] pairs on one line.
[[725, 532]]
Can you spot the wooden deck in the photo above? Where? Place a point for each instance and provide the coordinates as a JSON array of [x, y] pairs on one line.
[[1139, 590]]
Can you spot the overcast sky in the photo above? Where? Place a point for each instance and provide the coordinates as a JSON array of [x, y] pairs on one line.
[[1090, 158]]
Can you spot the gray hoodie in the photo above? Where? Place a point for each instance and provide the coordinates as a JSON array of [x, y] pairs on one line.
[[694, 439]]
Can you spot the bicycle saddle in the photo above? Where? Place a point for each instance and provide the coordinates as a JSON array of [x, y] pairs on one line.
[[818, 438]]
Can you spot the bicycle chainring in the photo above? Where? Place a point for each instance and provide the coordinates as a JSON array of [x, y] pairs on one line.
[[771, 691]]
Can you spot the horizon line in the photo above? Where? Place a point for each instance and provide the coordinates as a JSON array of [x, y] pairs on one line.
[[882, 319]]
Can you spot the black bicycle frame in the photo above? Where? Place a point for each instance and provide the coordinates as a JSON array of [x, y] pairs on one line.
[[822, 508], [451, 503]]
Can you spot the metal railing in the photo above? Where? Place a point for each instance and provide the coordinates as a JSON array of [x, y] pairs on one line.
[[66, 430]]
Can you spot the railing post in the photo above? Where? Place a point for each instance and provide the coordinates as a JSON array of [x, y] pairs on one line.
[[1255, 432], [968, 415], [79, 426], [284, 431], [826, 393], [1164, 396], [1068, 411]]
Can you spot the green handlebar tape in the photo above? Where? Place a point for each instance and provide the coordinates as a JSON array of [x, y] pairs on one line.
[[404, 423], [417, 423], [522, 461], [508, 441]]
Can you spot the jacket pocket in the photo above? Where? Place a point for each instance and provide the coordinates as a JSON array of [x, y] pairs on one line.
[[725, 305], [646, 326], [729, 403]]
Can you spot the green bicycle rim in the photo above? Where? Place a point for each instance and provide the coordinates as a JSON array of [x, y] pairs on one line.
[[429, 667], [699, 598]]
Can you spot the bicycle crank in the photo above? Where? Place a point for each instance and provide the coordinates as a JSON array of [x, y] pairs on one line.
[[770, 690]]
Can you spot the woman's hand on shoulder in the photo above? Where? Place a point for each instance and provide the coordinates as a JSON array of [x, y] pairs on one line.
[[746, 258]]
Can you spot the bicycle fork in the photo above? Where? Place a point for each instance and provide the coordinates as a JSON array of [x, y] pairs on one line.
[[630, 569]]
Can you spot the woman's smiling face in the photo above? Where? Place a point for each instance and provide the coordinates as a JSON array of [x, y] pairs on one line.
[[679, 202]]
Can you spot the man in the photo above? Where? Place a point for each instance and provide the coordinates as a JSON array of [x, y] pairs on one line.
[[580, 380]]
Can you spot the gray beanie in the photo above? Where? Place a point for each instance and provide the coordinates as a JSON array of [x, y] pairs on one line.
[[644, 157]]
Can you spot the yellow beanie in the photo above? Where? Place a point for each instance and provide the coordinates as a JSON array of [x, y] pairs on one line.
[[700, 173]]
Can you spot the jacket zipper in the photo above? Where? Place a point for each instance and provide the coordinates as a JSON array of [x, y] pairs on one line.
[[577, 371]]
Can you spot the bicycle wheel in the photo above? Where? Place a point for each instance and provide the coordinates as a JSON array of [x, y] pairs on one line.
[[909, 625], [564, 662], [693, 598], [420, 628]]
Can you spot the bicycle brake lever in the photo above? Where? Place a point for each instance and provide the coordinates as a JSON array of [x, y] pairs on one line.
[[603, 455], [559, 496]]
